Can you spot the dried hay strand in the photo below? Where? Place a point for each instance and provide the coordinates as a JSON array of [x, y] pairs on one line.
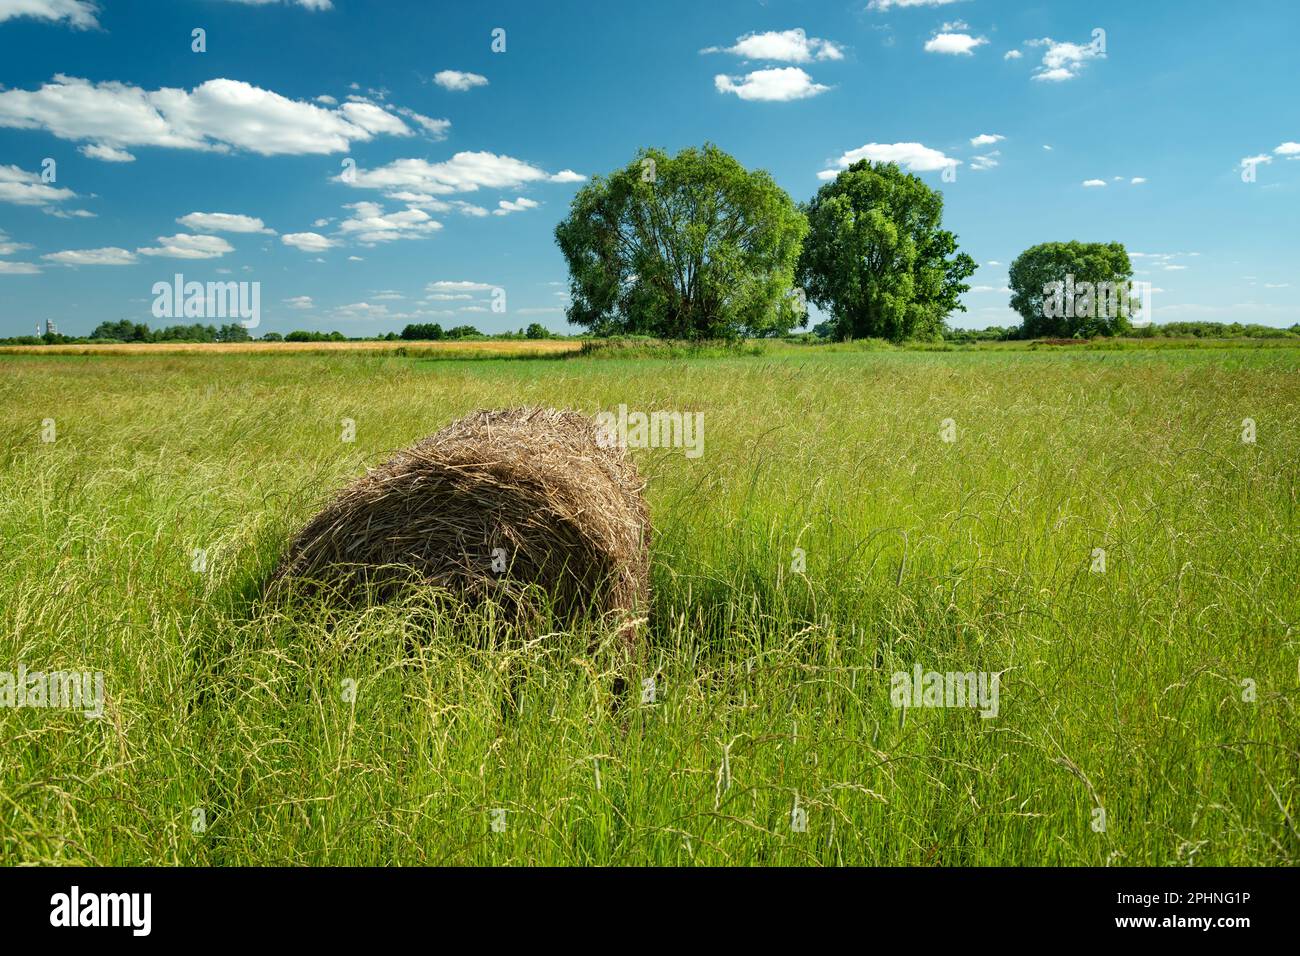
[[567, 515]]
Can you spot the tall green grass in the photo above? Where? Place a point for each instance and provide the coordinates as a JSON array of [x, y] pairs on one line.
[[1121, 691]]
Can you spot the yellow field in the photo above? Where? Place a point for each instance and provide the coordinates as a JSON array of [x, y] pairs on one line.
[[502, 347]]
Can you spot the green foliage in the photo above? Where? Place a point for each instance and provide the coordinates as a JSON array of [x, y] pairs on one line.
[[423, 331], [298, 335], [876, 258], [463, 332], [692, 246], [536, 330], [1059, 289]]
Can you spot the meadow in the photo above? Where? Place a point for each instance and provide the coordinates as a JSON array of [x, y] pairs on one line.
[[1104, 530]]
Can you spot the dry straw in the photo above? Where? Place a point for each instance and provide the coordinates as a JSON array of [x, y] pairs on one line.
[[511, 506]]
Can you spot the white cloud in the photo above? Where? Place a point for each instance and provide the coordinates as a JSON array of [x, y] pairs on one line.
[[912, 156], [18, 268], [1289, 150], [107, 256], [306, 4], [883, 5], [22, 188], [437, 128], [307, 241], [219, 115], [369, 223], [1012, 55], [464, 172], [224, 222], [374, 119], [986, 139], [300, 302], [1092, 183], [1065, 61], [459, 82], [1137, 180], [954, 44], [986, 161], [786, 46], [1046, 147], [446, 286], [184, 246], [505, 207], [568, 176], [1256, 160], [779, 84], [107, 154], [80, 14]]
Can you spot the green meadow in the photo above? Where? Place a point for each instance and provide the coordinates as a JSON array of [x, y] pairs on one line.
[[1112, 533]]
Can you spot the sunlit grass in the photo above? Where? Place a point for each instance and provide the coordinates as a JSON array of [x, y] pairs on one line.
[[1120, 690]]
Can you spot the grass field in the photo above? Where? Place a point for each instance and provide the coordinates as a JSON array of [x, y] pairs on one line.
[[513, 347], [1147, 711]]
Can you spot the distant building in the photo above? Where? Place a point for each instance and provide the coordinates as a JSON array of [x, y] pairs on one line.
[[49, 327]]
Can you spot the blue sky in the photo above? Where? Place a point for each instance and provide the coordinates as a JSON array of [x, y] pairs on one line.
[[1174, 130]]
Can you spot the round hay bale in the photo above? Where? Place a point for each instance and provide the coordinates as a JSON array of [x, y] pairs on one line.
[[505, 504]]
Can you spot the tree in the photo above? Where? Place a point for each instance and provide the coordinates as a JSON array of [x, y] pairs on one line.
[[536, 330], [690, 246], [422, 331], [876, 258], [463, 332], [1067, 289]]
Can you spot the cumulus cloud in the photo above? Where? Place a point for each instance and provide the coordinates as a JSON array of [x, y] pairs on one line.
[[185, 246], [986, 139], [953, 39], [106, 256], [883, 5], [300, 302], [505, 207], [22, 188], [913, 157], [1092, 183], [459, 82], [1289, 150], [224, 222], [369, 223], [447, 286], [18, 268], [985, 161], [464, 172], [219, 115], [104, 153], [568, 176], [307, 241], [306, 4], [1065, 61], [437, 128], [1012, 55], [786, 46], [80, 14], [777, 85]]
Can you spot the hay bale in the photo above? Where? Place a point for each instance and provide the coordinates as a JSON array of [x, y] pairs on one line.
[[568, 517]]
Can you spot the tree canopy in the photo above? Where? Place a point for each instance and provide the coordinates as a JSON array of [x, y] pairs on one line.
[[876, 258], [1064, 289], [690, 246]]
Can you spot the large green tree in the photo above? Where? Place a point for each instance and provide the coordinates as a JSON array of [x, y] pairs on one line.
[[1063, 289], [876, 258], [690, 246]]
